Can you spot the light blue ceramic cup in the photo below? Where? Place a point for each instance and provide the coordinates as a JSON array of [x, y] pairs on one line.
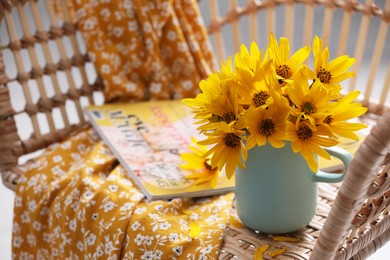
[[277, 192]]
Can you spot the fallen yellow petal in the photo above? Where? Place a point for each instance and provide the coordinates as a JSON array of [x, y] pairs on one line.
[[235, 223], [194, 230], [277, 252], [259, 252], [264, 248], [286, 239]]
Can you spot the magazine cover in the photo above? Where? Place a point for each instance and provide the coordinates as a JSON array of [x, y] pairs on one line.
[[148, 138]]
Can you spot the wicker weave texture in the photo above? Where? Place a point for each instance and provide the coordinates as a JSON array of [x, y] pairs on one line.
[[44, 78]]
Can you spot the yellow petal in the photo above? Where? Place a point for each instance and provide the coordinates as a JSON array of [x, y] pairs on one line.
[[337, 63], [258, 255], [284, 49], [318, 150], [260, 251], [210, 140], [317, 44], [254, 49], [310, 159], [244, 50], [230, 168], [214, 180], [251, 142], [343, 76], [286, 239], [275, 142], [325, 55], [203, 179], [244, 152], [349, 98], [235, 223], [277, 252], [299, 57]]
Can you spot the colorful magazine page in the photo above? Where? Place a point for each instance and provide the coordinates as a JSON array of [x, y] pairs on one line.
[[147, 138]]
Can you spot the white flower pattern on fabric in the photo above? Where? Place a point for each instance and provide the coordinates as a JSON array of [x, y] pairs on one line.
[[91, 239], [135, 226], [178, 250], [139, 239], [165, 225]]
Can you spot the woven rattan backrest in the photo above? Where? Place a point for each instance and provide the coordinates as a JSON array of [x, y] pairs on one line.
[[347, 220], [44, 77]]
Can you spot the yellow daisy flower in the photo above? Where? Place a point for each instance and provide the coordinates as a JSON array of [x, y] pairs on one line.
[[260, 93], [286, 67], [247, 65], [333, 72], [308, 141], [309, 102], [228, 149], [223, 108], [267, 124], [343, 110], [199, 166], [210, 88]]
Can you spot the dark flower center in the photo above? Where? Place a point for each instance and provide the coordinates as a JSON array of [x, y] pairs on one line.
[[267, 127], [284, 71], [305, 133], [308, 108], [328, 119], [228, 117], [260, 98], [231, 140], [324, 75]]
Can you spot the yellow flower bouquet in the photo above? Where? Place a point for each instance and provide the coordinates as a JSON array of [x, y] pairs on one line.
[[273, 97]]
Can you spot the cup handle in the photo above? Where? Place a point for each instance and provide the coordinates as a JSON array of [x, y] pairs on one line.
[[341, 154]]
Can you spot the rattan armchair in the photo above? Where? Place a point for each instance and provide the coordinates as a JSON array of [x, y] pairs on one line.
[[352, 219]]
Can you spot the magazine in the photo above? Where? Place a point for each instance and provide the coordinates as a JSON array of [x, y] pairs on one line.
[[147, 138]]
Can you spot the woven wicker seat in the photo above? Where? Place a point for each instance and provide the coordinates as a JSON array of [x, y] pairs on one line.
[[352, 219]]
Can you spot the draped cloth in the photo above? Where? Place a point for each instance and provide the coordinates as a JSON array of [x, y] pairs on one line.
[[76, 201], [155, 49]]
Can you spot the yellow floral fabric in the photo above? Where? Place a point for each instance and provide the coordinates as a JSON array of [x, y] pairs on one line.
[[77, 202], [146, 49]]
